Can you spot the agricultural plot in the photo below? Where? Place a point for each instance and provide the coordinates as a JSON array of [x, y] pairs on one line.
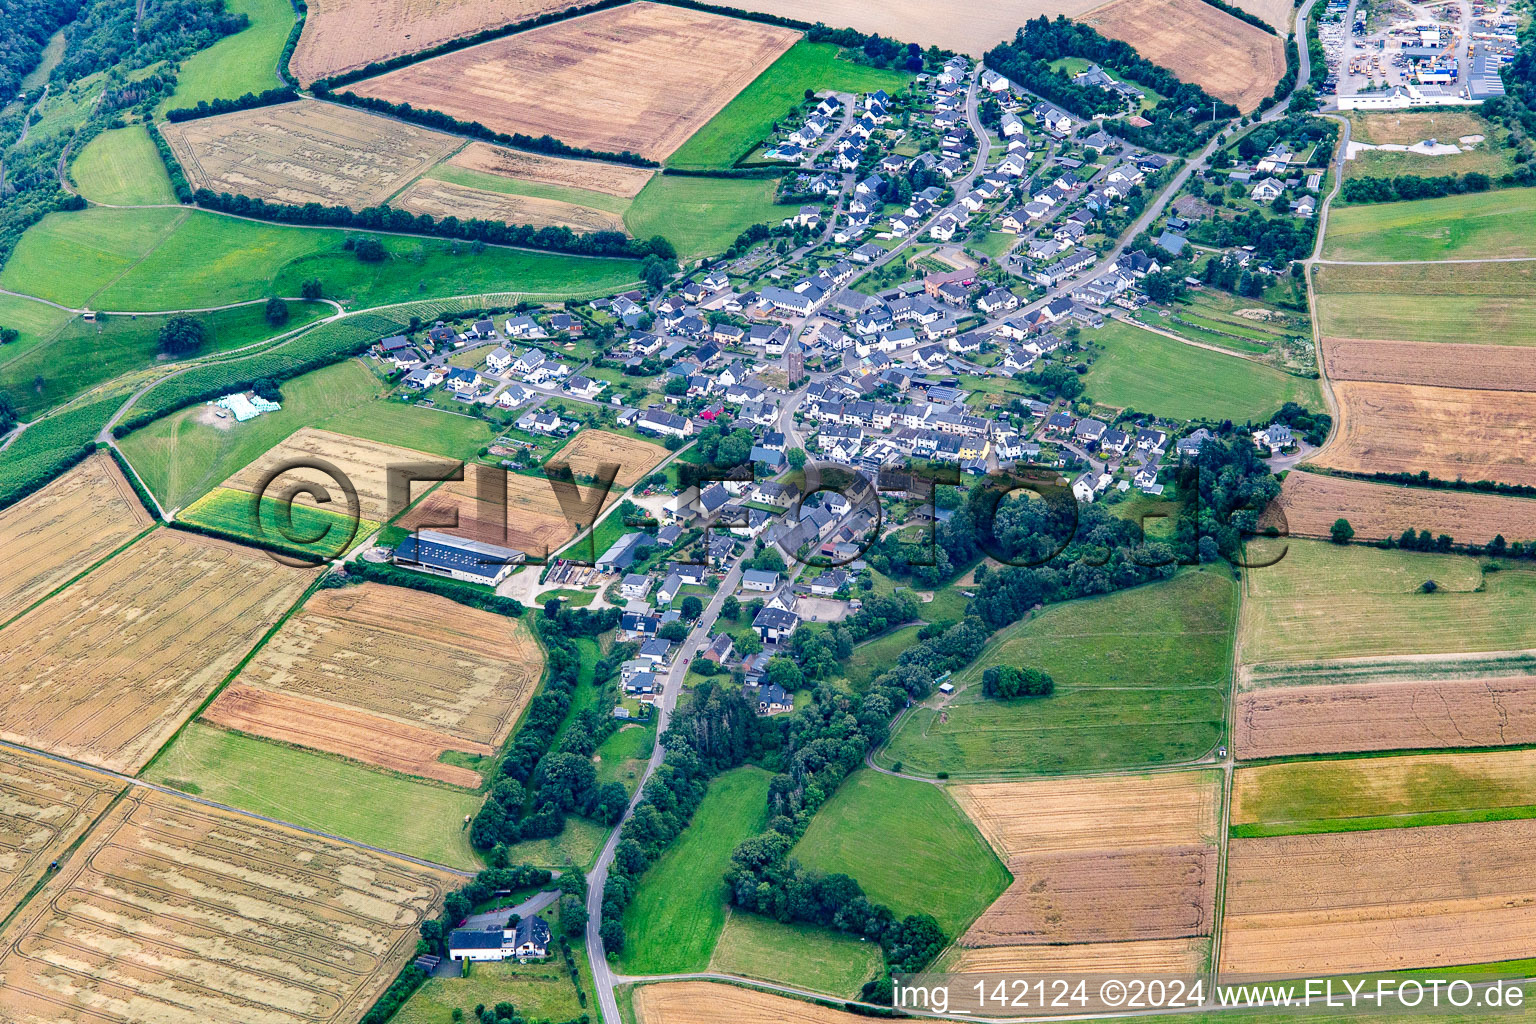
[[1186, 957], [1451, 433], [1323, 601], [1475, 225], [591, 449], [182, 914], [1456, 303], [64, 529], [642, 77], [1278, 14], [238, 64], [531, 519], [820, 959], [120, 167], [1233, 60], [583, 176], [1141, 677], [1386, 704], [437, 198], [44, 807], [389, 677], [1489, 367], [315, 533], [1312, 503], [1390, 899], [106, 670], [305, 152], [702, 216]]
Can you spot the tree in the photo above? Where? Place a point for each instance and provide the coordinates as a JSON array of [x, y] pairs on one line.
[[8, 416], [785, 673], [1005, 682], [181, 336], [310, 289], [369, 250], [655, 272], [730, 607], [796, 458], [677, 385], [677, 632], [749, 645], [1341, 531], [573, 915], [551, 607], [8, 335], [277, 311], [692, 608]]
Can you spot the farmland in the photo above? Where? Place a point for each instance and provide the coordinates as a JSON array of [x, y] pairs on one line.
[[1313, 502], [306, 531], [1185, 957], [1140, 677], [531, 519], [642, 78], [46, 807], [591, 449], [437, 198], [1451, 433], [852, 834], [1460, 303], [120, 167], [305, 151], [64, 529], [1389, 899], [1325, 601], [238, 64], [182, 914], [1435, 364], [820, 959], [582, 178], [1275, 13], [131, 649], [702, 216], [1477, 224], [1235, 61]]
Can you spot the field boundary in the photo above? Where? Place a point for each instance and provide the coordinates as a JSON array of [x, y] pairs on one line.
[[103, 560], [64, 856]]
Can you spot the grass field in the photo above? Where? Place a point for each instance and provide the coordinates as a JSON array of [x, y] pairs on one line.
[[702, 216], [908, 845], [622, 756], [540, 991], [749, 118], [1479, 224], [36, 322], [1325, 601], [1152, 373], [1211, 317], [78, 355], [870, 659], [679, 907], [122, 168], [819, 959], [1141, 678], [238, 64], [320, 792], [1468, 303]]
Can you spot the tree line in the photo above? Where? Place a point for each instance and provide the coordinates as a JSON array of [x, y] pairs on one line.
[[1415, 186], [248, 101]]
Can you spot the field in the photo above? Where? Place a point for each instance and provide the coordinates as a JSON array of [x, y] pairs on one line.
[[238, 64], [389, 677], [702, 216], [641, 78], [1235, 61], [46, 806], [345, 35], [64, 529], [1475, 225], [1434, 364], [589, 450], [1186, 957], [679, 906], [539, 990], [319, 791], [1458, 303], [305, 152], [1405, 127], [1382, 792], [121, 168], [1386, 704], [519, 169], [749, 118], [1312, 503], [1153, 373], [531, 519], [305, 531], [47, 446], [181, 914], [885, 832], [437, 198], [819, 959], [1325, 601], [1141, 678], [1276, 13], [1451, 433], [1383, 900], [126, 653], [872, 658]]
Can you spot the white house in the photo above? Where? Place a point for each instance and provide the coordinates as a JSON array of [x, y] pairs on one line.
[[526, 940]]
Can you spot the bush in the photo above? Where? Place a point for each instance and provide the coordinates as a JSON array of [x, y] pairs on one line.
[[1005, 682], [181, 336], [277, 311]]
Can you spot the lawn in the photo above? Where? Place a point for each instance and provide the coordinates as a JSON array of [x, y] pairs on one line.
[[321, 792], [819, 959], [79, 355], [703, 216], [995, 243], [1141, 679], [678, 911], [870, 659], [1469, 303], [121, 167], [540, 991], [1138, 369], [229, 512], [238, 64], [908, 845], [1478, 224], [749, 118]]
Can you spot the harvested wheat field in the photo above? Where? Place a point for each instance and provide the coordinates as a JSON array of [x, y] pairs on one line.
[[1227, 57], [531, 519], [713, 1002], [1277, 14], [346, 35], [1312, 503], [365, 463], [181, 914], [1391, 899], [44, 807], [63, 529], [591, 449], [446, 199], [305, 152], [106, 670], [642, 77], [619, 180], [1439, 303], [1152, 956], [1451, 433], [1435, 364]]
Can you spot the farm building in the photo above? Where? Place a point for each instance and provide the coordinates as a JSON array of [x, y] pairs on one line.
[[445, 555], [528, 939]]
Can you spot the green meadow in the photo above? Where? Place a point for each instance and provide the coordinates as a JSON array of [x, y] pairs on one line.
[[238, 64], [121, 167], [1474, 225], [1469, 303], [702, 216]]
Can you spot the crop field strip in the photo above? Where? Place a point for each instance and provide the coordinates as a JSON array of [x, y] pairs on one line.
[[642, 77], [591, 449], [617, 180], [44, 807], [1431, 364], [178, 913], [1312, 502], [438, 198], [1475, 225], [68, 526], [107, 669], [1444, 303]]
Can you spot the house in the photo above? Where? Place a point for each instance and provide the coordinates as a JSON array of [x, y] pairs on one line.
[[1083, 487], [513, 396], [538, 421], [528, 939], [461, 380], [423, 378], [1089, 429], [659, 421], [639, 626], [635, 587], [499, 361], [1190, 446], [1267, 190], [442, 554], [584, 387], [719, 649], [655, 650], [763, 580], [1275, 437], [775, 624], [769, 698], [829, 583]]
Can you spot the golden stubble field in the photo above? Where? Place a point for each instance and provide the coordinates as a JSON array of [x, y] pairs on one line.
[[1432, 363], [180, 914], [1312, 503], [446, 199], [106, 670], [305, 152], [63, 529], [590, 449], [642, 77], [713, 1002], [619, 180], [44, 807], [390, 677]]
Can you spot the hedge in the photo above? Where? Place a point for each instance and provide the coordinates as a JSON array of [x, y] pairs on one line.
[[172, 165], [249, 101], [1242, 15], [133, 480], [301, 7], [247, 540]]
